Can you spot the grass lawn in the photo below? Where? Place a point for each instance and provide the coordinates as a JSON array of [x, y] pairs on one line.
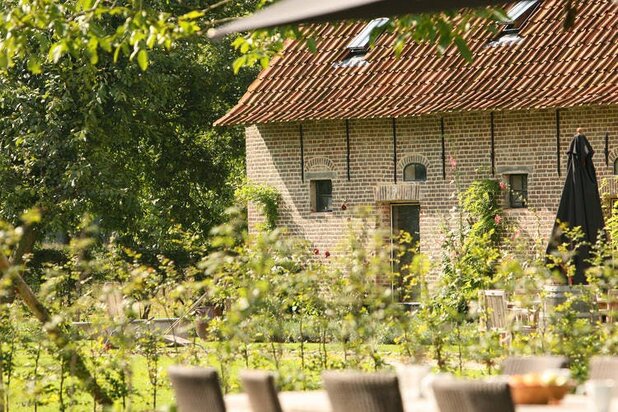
[[22, 389]]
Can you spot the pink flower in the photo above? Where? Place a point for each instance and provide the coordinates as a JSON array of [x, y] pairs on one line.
[[327, 254], [452, 162], [316, 251], [502, 186], [497, 219]]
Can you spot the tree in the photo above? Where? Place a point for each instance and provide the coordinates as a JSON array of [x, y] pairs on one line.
[[84, 132], [134, 149], [39, 31]]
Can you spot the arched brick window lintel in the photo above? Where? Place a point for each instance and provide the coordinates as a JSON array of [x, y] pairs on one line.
[[319, 164], [406, 159]]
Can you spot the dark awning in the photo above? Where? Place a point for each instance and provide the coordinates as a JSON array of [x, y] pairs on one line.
[[315, 11]]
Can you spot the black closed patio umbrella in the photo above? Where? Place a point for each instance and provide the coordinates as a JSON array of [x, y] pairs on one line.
[[580, 205], [286, 12]]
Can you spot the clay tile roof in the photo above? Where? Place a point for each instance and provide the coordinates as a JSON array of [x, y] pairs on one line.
[[550, 67]]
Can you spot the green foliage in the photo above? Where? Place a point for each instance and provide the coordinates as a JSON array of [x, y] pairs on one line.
[[470, 253], [35, 33], [266, 197], [135, 150], [439, 29], [569, 239], [272, 290], [572, 331], [38, 32]]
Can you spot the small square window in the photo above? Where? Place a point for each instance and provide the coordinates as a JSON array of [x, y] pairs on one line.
[[322, 195], [518, 190]]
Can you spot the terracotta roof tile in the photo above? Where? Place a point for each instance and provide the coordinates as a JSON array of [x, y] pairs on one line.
[[549, 68]]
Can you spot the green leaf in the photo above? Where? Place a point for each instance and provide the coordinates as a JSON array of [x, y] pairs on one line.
[[142, 59], [84, 4], [34, 65], [238, 63], [195, 14], [311, 45], [106, 44], [31, 216], [463, 48], [152, 39], [57, 51], [117, 53], [93, 43], [238, 41]]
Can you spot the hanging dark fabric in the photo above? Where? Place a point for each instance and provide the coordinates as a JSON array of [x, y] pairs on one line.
[[302, 154], [443, 148], [558, 141], [580, 205], [394, 150], [493, 152], [606, 151], [347, 147]]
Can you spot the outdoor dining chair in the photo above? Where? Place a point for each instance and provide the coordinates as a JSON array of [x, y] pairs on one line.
[[196, 389], [517, 365], [472, 396], [609, 305], [495, 306], [604, 367], [363, 392], [260, 388]]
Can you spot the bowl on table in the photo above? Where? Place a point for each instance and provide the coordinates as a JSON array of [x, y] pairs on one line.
[[534, 389]]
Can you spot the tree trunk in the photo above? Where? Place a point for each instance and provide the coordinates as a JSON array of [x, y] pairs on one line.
[[55, 331]]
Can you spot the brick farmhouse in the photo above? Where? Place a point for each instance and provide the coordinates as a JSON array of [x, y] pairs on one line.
[[349, 126]]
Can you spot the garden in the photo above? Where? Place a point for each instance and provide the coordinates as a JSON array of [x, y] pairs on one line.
[[265, 300], [124, 241]]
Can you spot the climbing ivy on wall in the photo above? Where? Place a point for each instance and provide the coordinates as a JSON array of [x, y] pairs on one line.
[[265, 197]]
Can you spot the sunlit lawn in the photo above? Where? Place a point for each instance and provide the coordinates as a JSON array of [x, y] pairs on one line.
[[21, 397]]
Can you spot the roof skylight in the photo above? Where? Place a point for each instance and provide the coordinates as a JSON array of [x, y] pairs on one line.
[[520, 9], [518, 15], [360, 43]]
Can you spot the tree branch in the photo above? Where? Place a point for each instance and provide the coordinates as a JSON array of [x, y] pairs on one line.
[[56, 331], [25, 245]]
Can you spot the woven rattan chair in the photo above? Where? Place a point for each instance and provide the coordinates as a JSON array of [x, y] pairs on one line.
[[516, 365], [260, 388], [604, 367], [196, 389], [473, 396], [363, 392]]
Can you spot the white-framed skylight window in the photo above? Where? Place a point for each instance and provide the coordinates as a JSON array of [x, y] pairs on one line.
[[522, 8], [517, 15], [359, 46], [360, 43]]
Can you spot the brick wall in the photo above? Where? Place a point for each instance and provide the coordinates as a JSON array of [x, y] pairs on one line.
[[523, 139]]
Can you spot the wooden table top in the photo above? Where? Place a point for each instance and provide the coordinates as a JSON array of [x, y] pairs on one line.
[[317, 401]]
